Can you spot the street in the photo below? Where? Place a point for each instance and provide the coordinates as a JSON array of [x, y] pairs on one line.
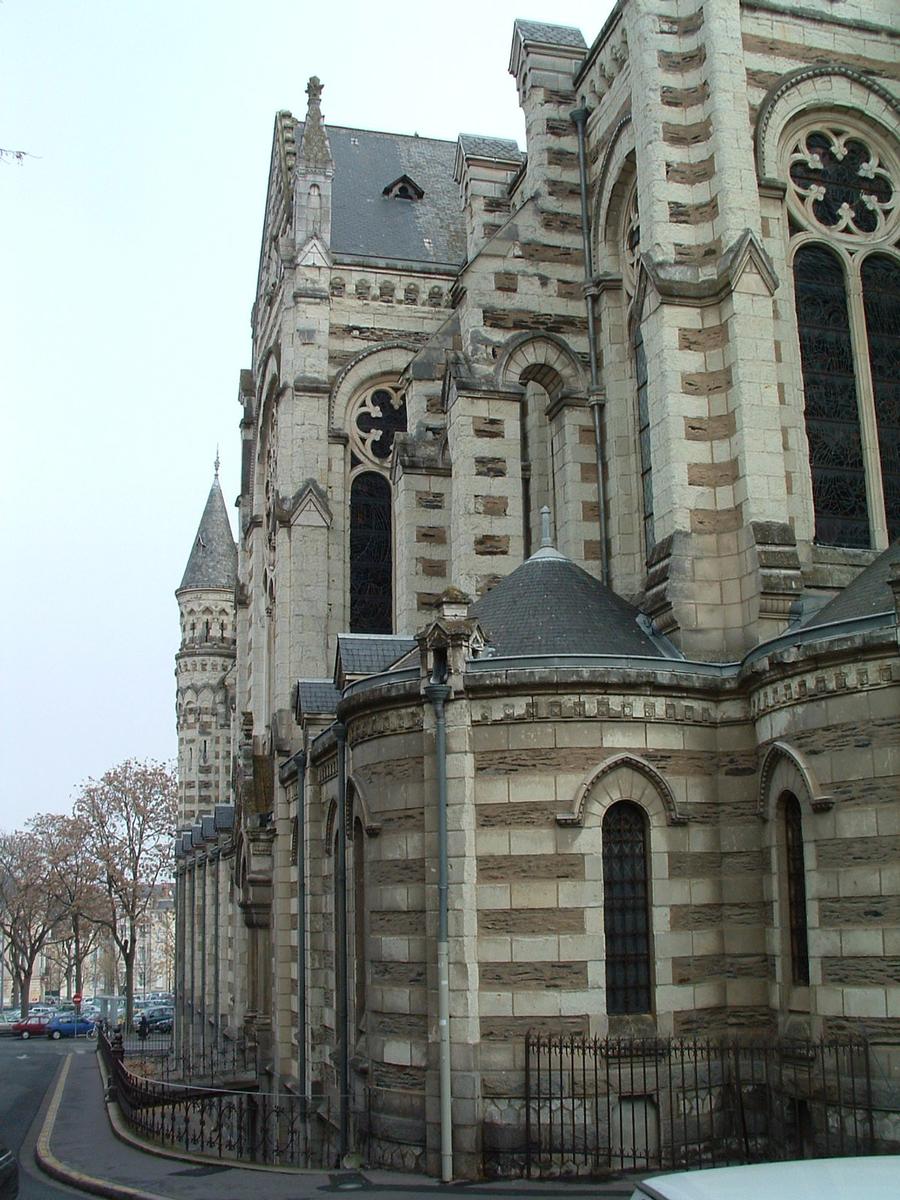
[[27, 1070]]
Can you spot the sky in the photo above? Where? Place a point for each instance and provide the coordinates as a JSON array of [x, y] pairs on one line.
[[130, 237]]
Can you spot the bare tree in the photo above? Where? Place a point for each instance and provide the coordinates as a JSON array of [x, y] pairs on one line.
[[72, 881], [28, 910], [130, 815]]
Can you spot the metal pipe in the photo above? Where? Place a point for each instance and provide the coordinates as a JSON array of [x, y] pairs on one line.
[[597, 397], [178, 1037], [295, 768], [203, 957], [340, 925], [438, 693], [217, 974]]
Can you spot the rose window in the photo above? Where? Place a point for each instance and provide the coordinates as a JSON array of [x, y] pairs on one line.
[[841, 183]]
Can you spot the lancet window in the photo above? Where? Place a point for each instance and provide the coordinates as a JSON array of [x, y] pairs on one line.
[[377, 416], [844, 216], [626, 909]]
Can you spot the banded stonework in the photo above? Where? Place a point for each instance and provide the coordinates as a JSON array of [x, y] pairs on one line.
[[546, 521]]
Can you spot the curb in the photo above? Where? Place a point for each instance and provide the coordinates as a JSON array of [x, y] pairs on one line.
[[52, 1166]]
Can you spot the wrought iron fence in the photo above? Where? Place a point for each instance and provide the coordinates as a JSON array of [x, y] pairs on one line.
[[229, 1124], [596, 1105]]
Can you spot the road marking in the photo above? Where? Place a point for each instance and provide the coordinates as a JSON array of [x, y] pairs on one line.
[[48, 1161]]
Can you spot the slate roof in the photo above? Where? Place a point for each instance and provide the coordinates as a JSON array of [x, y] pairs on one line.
[[869, 593], [501, 149], [213, 560], [549, 605], [367, 224], [370, 653], [551, 35], [316, 696]]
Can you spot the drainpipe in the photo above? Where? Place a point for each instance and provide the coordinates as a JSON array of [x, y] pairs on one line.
[[203, 956], [597, 397], [217, 979], [295, 768], [342, 995], [437, 692], [180, 887]]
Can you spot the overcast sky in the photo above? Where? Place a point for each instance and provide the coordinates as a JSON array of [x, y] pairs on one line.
[[130, 241]]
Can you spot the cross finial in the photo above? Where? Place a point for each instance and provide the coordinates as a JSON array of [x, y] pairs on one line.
[[216, 463]]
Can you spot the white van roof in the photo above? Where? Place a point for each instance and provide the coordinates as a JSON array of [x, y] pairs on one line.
[[809, 1179]]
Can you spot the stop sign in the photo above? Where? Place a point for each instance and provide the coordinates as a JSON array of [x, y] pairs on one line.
[[76, 999]]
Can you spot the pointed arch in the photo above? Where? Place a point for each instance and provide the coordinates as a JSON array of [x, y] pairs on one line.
[[614, 180], [636, 780], [801, 89], [785, 769], [388, 360], [357, 792]]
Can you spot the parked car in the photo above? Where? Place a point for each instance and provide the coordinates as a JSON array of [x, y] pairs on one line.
[[31, 1026], [809, 1179], [7, 1020], [9, 1174], [68, 1025], [153, 1014]]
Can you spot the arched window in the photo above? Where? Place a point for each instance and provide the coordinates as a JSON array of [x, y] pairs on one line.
[[843, 212], [626, 909], [376, 417], [795, 871], [630, 251], [538, 470]]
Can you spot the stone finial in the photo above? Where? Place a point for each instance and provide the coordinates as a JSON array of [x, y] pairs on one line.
[[546, 536], [454, 604], [314, 149]]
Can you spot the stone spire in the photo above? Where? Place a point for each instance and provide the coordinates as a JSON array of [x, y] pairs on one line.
[[315, 152], [213, 560]]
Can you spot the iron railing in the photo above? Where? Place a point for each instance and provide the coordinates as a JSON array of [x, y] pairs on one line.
[[227, 1124], [592, 1106]]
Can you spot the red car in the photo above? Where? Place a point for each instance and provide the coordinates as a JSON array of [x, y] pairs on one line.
[[31, 1027]]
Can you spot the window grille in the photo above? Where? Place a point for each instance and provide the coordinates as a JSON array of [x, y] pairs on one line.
[[796, 890], [626, 909]]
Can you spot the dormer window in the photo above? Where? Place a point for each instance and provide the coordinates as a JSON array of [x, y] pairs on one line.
[[403, 188]]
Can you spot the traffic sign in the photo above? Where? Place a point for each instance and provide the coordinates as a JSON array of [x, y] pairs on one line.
[[76, 999]]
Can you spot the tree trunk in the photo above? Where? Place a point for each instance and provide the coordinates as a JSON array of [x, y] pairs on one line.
[[76, 930], [25, 990], [128, 959]]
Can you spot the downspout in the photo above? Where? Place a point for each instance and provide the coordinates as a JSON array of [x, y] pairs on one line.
[[203, 956], [180, 888], [340, 924], [217, 980], [597, 396], [437, 692], [295, 768]]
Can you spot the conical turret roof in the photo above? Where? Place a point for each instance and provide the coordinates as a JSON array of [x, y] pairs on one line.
[[549, 605], [213, 560]]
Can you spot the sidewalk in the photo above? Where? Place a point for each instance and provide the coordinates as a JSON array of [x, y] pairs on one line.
[[81, 1144]]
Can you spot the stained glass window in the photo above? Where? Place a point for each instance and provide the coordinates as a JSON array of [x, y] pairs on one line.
[[832, 412], [796, 890], [881, 300], [626, 909], [840, 181], [643, 416], [370, 554]]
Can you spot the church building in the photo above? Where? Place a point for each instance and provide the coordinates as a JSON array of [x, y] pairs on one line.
[[552, 685]]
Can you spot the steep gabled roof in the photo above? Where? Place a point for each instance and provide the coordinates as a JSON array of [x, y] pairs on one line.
[[868, 594], [361, 654], [365, 223], [549, 605], [213, 560]]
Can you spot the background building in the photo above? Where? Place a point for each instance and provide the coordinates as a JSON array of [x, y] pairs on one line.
[[569, 492]]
